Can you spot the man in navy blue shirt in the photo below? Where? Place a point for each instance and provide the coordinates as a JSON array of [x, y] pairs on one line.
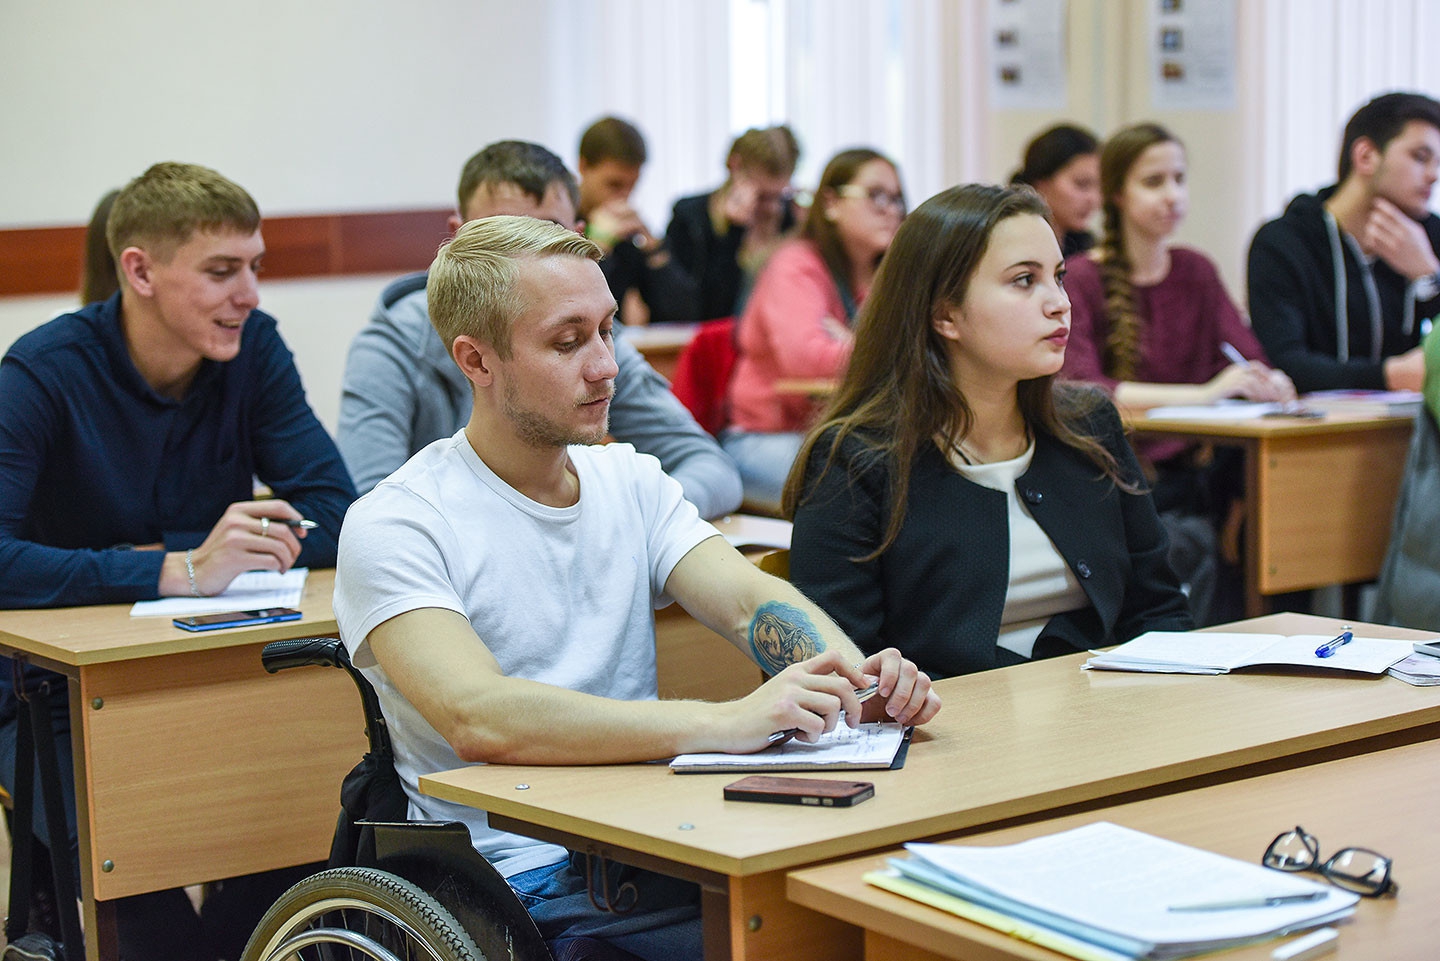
[[131, 435]]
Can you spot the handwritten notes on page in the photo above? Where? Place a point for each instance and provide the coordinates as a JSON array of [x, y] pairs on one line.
[[869, 746]]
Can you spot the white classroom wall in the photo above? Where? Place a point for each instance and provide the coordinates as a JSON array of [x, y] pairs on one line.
[[348, 105]]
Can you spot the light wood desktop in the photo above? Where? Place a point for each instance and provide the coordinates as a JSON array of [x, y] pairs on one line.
[[191, 763], [1384, 801], [1009, 744], [1319, 495]]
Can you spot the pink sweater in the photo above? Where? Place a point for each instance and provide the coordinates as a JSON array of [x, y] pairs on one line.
[[782, 335]]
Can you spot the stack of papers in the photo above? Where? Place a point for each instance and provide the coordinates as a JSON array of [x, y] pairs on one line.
[[251, 591], [1177, 652], [872, 746], [1379, 403], [1421, 670], [1104, 892]]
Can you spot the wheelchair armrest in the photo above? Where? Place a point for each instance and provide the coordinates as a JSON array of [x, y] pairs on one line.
[[302, 652]]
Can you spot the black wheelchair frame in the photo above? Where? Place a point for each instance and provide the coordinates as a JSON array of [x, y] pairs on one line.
[[397, 889]]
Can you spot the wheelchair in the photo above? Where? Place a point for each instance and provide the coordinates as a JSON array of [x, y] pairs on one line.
[[397, 890]]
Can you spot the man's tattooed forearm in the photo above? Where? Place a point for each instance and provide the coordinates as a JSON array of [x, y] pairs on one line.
[[782, 634]]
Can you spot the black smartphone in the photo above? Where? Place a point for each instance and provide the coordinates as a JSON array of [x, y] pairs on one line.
[[814, 792], [214, 622]]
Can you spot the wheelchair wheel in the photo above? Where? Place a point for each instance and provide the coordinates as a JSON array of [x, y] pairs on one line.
[[348, 914]]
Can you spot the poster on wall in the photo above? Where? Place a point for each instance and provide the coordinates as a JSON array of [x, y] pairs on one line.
[[1026, 44], [1192, 54]]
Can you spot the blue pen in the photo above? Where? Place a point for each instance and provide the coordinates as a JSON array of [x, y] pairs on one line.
[[1334, 644]]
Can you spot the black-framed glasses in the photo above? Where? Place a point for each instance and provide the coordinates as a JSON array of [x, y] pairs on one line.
[[1365, 872]]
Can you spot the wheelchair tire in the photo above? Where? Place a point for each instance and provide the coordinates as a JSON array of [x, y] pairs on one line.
[[348, 914]]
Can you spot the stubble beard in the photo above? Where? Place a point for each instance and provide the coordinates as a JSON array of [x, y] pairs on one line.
[[540, 432]]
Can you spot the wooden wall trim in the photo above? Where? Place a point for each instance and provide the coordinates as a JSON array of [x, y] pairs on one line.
[[46, 260]]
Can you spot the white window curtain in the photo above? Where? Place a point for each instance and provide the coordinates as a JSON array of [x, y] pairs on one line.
[[1320, 60], [902, 76]]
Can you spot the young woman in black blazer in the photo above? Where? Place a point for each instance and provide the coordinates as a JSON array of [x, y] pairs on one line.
[[955, 501]]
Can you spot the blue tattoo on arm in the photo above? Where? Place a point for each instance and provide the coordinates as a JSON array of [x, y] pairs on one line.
[[782, 634]]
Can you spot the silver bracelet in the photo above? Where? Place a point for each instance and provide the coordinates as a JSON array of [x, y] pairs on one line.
[[190, 573]]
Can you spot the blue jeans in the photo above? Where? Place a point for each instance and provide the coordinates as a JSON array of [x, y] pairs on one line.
[[764, 461], [662, 925]]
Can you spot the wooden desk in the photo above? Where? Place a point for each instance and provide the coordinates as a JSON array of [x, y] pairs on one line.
[[1009, 744], [1384, 801], [191, 763], [661, 344], [1319, 495]]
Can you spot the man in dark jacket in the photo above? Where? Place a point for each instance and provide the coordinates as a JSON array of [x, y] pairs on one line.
[[1340, 284]]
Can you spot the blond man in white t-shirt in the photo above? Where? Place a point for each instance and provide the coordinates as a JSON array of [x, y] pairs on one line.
[[498, 589]]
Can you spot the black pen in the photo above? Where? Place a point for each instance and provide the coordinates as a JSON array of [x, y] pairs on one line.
[[788, 733], [304, 523]]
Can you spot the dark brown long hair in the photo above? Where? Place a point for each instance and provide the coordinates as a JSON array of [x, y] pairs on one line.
[[898, 392], [1121, 357], [819, 229]]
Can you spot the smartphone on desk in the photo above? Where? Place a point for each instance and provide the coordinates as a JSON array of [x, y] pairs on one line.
[[1428, 647], [813, 792], [214, 622]]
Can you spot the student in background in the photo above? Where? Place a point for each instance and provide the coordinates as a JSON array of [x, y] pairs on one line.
[[955, 501], [724, 237], [401, 389], [1150, 323], [98, 277], [646, 281], [499, 589], [1063, 165], [797, 323], [1340, 283], [131, 432]]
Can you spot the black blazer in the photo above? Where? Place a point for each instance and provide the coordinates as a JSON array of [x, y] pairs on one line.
[[938, 592]]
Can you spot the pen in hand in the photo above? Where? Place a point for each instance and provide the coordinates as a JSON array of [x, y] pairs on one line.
[[1233, 355], [1334, 644], [788, 733], [304, 524]]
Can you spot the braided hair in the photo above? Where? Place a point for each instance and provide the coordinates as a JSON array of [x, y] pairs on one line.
[[1121, 356]]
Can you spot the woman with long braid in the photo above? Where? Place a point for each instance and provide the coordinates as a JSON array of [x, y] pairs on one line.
[[1150, 324]]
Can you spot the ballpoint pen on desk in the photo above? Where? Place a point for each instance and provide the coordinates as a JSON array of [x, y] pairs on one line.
[[785, 735], [1238, 903], [1335, 643]]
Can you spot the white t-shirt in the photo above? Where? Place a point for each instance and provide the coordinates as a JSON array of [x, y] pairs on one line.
[[564, 596], [1041, 583]]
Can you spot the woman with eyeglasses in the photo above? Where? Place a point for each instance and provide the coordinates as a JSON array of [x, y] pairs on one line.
[[796, 326], [956, 502]]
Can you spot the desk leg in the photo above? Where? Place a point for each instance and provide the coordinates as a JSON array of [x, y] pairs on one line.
[[98, 917], [1255, 602], [763, 924]]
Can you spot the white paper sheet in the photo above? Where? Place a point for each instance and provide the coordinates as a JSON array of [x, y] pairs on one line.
[[1112, 879], [871, 746], [248, 592]]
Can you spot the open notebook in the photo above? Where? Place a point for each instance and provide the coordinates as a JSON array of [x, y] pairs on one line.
[[872, 746], [1174, 652]]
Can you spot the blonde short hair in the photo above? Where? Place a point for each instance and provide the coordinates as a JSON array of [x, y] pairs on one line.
[[471, 288], [160, 209]]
